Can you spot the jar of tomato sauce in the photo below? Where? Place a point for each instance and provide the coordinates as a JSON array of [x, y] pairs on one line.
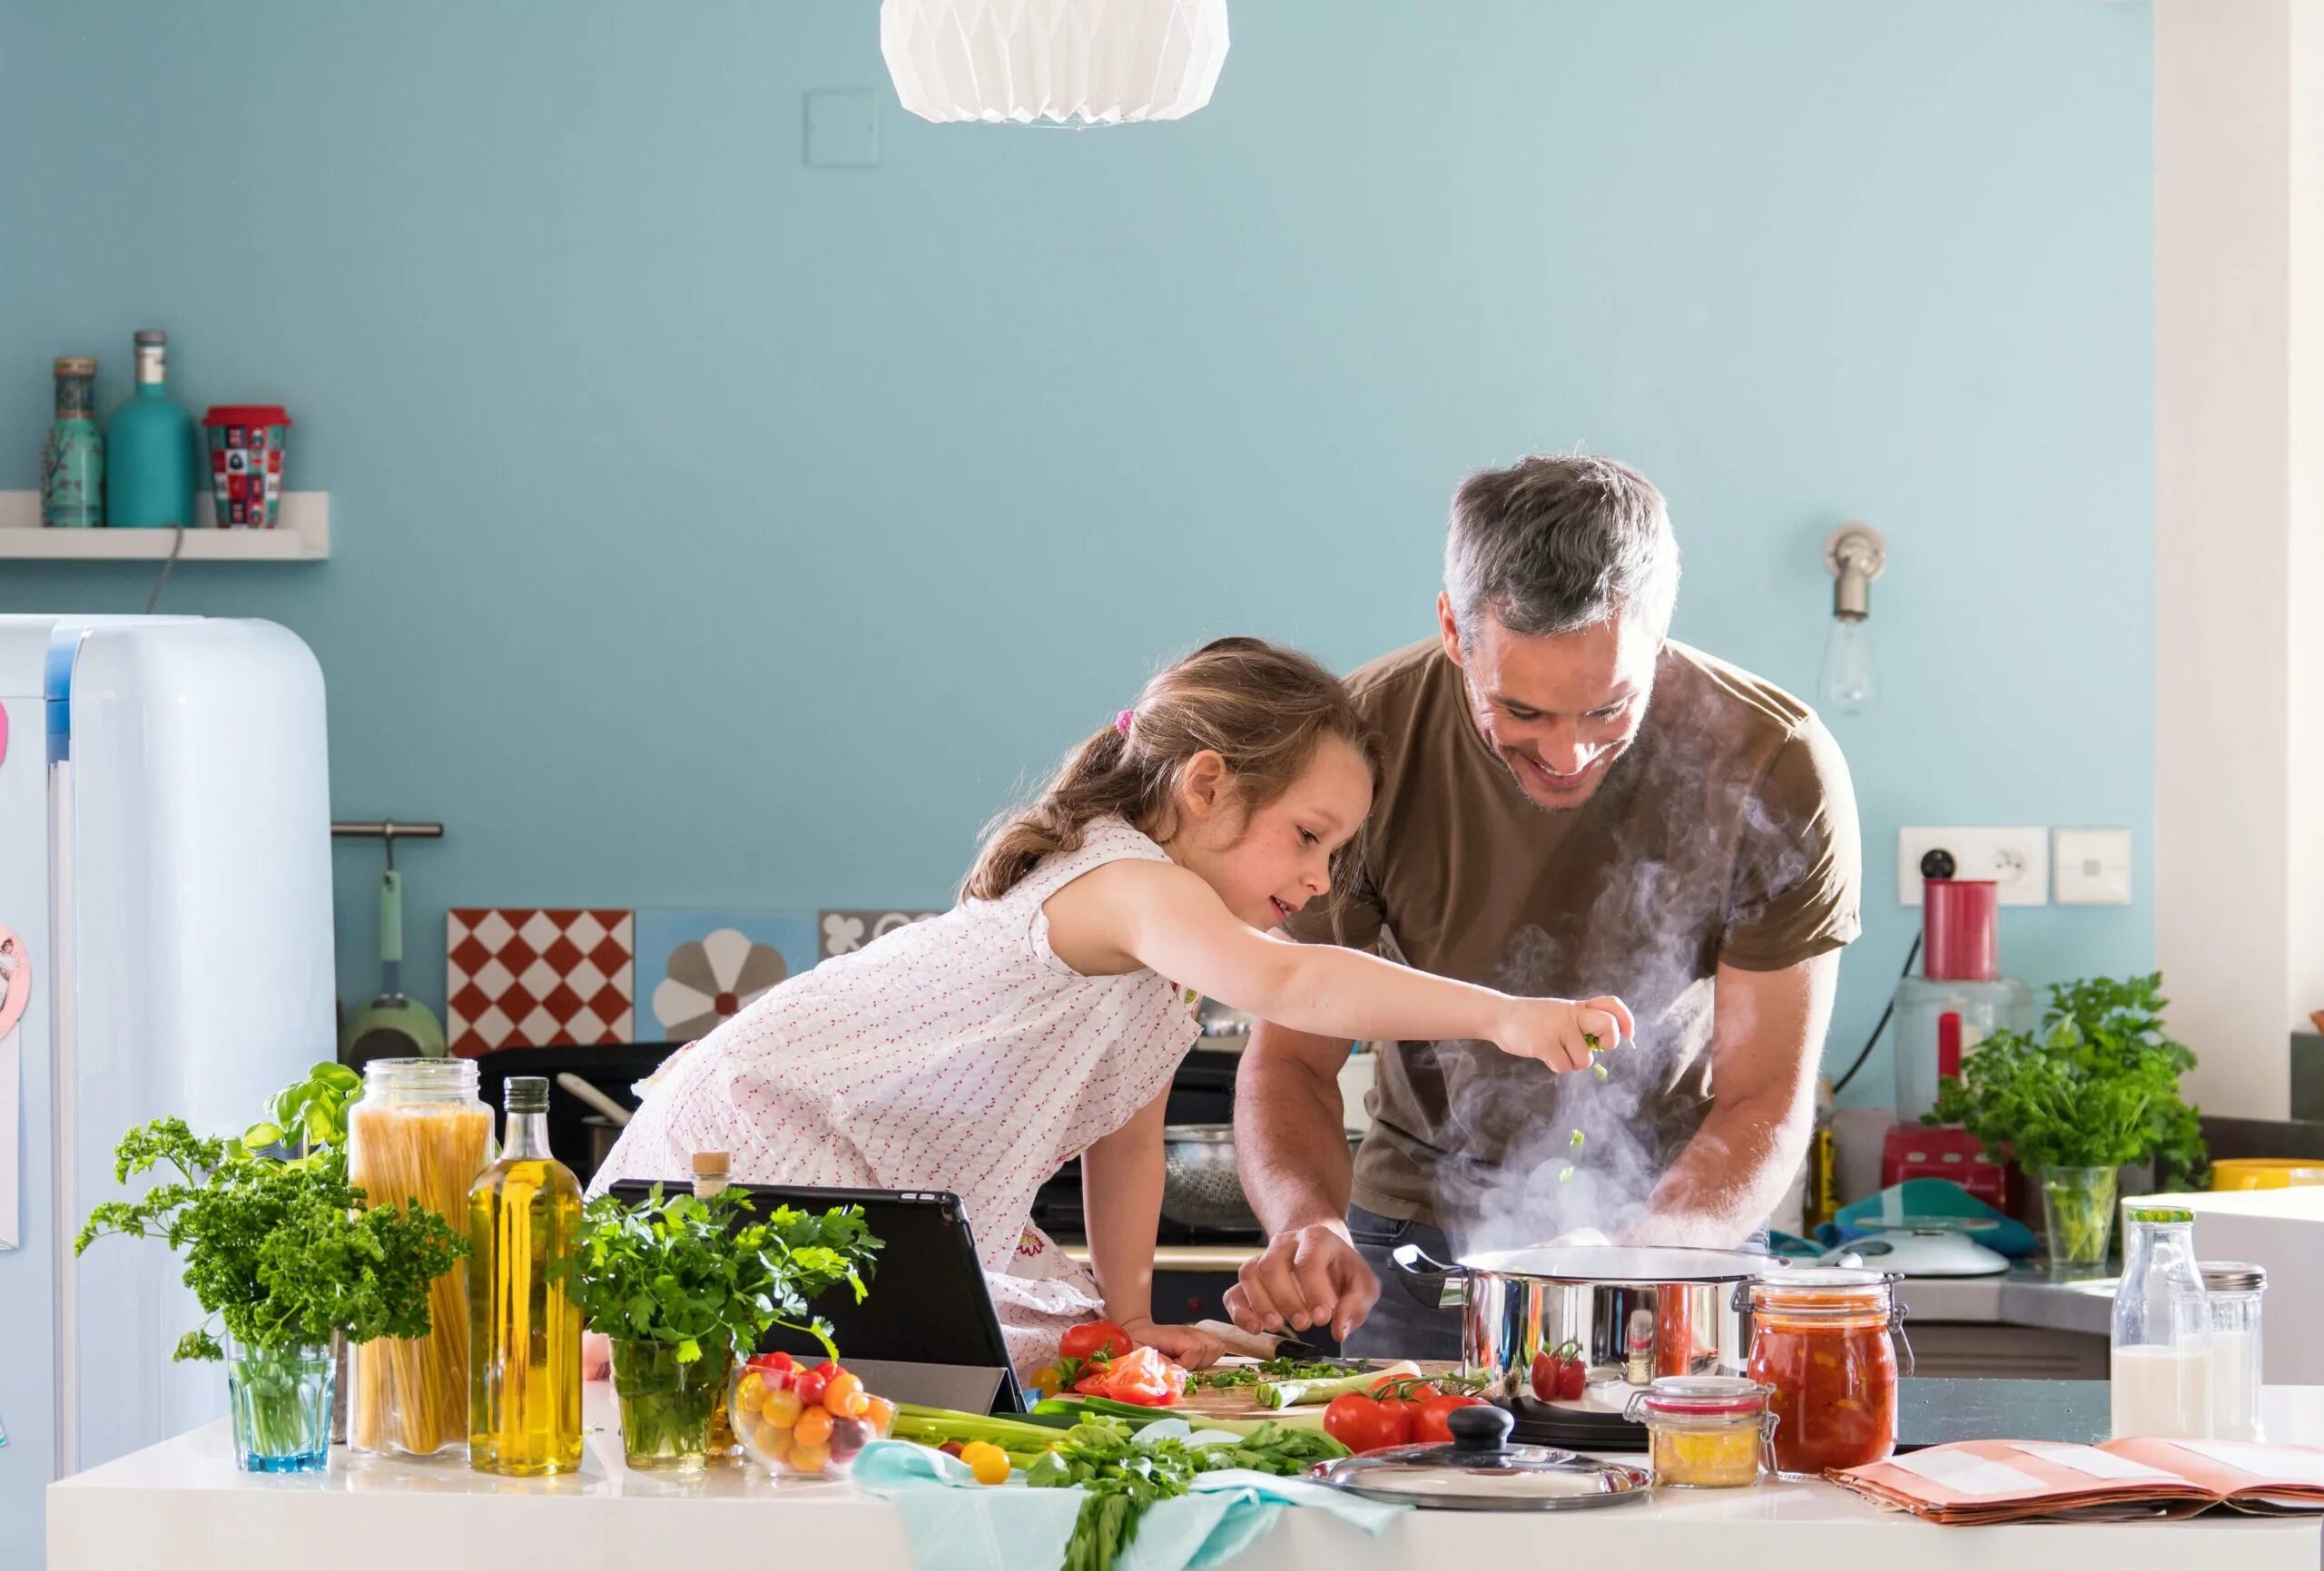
[[1820, 1340]]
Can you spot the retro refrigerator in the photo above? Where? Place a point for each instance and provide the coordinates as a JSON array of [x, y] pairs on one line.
[[166, 875]]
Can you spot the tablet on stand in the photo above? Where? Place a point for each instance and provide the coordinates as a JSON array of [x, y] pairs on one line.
[[925, 1333]]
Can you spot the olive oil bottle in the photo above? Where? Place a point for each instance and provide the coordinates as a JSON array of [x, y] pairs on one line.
[[525, 1329]]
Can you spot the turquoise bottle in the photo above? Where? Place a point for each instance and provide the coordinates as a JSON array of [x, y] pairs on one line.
[[73, 459], [149, 449]]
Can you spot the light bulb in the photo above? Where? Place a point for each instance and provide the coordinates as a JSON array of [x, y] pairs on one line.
[[1848, 684]]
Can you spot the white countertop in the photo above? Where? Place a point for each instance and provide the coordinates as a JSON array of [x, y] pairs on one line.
[[183, 1504]]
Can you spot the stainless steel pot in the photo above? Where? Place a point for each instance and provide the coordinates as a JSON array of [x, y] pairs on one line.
[[1630, 1314]]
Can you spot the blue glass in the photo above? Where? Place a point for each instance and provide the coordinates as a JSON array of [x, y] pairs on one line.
[[279, 1401]]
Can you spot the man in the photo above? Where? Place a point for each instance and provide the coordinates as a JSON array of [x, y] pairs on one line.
[[1571, 804]]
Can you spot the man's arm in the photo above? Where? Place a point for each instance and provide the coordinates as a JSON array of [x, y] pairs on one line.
[[1290, 1147], [1766, 1041]]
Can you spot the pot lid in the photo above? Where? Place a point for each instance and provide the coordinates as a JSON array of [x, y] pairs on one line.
[[1482, 1472]]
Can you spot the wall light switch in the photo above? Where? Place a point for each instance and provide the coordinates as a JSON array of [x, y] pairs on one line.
[[2018, 859], [843, 129], [2093, 867]]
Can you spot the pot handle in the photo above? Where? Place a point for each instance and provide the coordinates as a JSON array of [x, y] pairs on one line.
[[1432, 1283]]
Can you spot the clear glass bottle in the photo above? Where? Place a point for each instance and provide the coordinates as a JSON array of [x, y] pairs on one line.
[[710, 1177], [418, 1134], [2160, 1367], [524, 1328], [73, 457], [2235, 1290], [149, 448]]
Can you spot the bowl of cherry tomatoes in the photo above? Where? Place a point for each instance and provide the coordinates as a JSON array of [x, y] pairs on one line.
[[800, 1422]]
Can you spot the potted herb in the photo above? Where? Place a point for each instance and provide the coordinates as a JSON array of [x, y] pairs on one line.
[[284, 1256], [301, 1119], [679, 1283], [2095, 1087]]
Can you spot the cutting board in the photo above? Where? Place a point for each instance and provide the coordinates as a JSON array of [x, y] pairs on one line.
[[1242, 1401]]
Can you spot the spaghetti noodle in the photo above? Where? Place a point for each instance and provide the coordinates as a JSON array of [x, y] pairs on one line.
[[418, 1134]]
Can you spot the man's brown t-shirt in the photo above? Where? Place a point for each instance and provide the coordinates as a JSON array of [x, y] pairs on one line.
[[1726, 834]]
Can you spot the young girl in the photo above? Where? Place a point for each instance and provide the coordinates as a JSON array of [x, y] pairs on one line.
[[1042, 1018]]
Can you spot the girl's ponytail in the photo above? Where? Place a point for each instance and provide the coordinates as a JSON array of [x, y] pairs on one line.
[[1261, 708]]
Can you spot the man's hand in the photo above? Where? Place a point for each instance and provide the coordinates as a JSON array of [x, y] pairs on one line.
[[1195, 1349], [1561, 1033], [1305, 1279]]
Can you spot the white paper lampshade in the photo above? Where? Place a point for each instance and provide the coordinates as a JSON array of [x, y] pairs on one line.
[[1070, 62]]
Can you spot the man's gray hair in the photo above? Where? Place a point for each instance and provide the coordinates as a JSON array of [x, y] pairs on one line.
[[1556, 543]]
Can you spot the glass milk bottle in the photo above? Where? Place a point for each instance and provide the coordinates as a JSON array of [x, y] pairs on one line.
[[2160, 1366], [524, 1328], [2235, 1289]]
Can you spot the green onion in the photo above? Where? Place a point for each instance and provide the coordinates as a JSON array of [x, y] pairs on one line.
[[1296, 1393]]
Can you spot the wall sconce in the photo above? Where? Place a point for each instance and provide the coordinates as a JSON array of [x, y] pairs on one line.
[[1857, 555]]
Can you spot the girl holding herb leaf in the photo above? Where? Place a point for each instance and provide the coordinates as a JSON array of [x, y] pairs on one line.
[[1042, 1018]]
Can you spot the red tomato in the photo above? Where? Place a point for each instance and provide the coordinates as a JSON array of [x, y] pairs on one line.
[[774, 1360], [1560, 1375], [1097, 1336], [1144, 1377], [1432, 1425], [1363, 1423], [811, 1385]]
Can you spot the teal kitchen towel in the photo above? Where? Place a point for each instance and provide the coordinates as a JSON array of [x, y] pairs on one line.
[[958, 1525]]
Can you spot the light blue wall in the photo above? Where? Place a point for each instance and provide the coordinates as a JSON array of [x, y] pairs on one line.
[[708, 527]]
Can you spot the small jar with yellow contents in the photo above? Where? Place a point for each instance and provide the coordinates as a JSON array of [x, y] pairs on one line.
[[1705, 1431]]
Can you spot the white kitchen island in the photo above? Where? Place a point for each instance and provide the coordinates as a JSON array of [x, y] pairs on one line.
[[184, 1505]]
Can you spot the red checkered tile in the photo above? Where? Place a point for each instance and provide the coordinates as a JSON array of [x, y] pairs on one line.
[[519, 977]]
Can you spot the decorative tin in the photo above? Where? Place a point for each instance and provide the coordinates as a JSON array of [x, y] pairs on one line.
[[246, 446]]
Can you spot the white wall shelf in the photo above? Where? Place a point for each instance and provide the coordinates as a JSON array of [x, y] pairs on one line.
[[302, 535]]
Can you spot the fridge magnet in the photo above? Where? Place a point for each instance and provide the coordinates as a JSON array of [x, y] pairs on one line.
[[700, 966], [844, 932], [525, 977]]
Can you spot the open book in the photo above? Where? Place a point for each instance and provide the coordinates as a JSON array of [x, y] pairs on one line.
[[1974, 1482]]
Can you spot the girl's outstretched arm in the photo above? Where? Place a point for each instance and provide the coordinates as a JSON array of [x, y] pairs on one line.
[[1122, 1193], [1124, 915]]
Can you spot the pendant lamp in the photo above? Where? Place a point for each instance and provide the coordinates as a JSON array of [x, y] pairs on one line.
[[1074, 62]]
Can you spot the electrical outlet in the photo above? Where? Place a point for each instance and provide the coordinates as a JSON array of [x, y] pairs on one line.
[[2093, 867], [2018, 859]]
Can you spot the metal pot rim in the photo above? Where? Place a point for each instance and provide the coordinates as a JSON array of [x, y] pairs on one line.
[[1622, 1265]]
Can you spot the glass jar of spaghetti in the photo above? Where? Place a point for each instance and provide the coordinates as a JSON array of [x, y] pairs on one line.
[[1820, 1340], [419, 1134]]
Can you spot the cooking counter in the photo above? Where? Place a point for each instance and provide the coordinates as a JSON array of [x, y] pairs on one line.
[[183, 1504]]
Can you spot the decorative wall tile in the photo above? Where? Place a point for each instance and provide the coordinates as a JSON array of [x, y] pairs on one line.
[[523, 976], [698, 966], [844, 932]]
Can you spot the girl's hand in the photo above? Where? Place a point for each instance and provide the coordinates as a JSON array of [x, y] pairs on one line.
[[596, 1356], [1195, 1349], [1558, 1031]]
